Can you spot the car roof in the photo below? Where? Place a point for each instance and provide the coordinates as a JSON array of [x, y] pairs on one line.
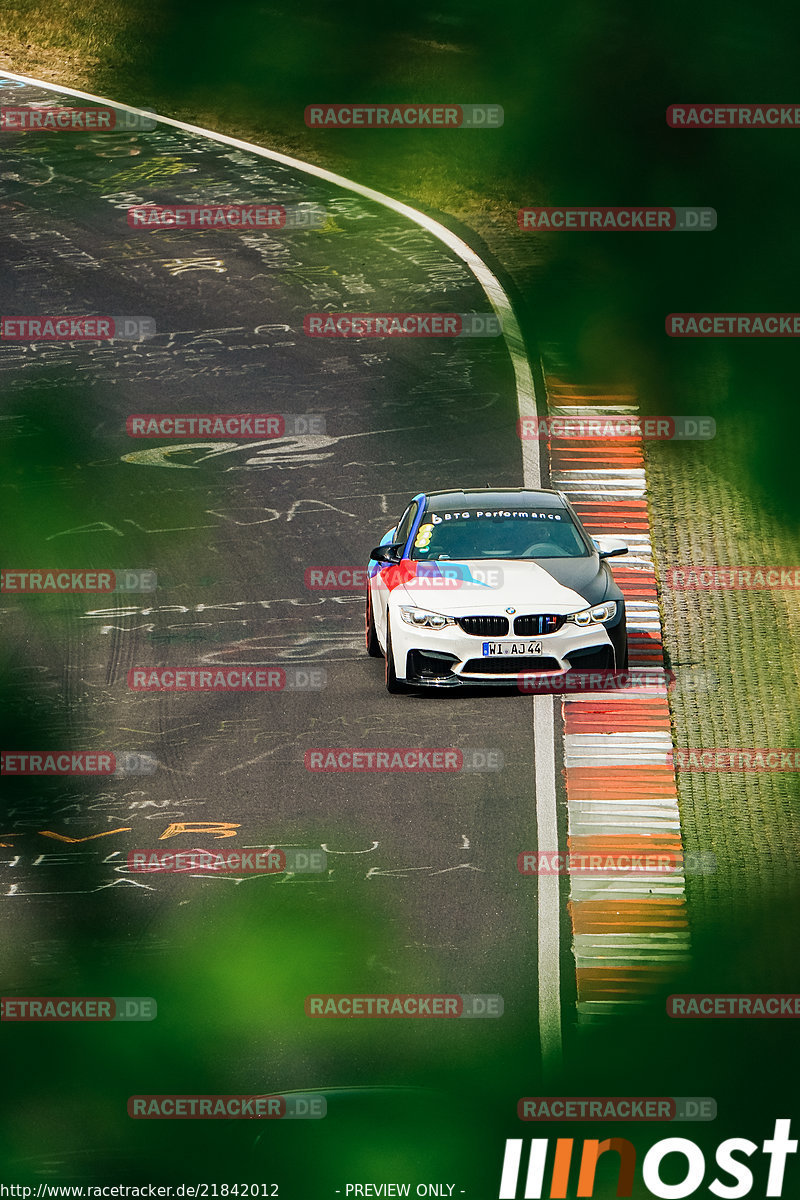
[[494, 498]]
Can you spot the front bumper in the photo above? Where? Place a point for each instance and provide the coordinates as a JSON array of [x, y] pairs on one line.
[[450, 658]]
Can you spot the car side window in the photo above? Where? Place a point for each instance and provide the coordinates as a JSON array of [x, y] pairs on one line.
[[405, 523]]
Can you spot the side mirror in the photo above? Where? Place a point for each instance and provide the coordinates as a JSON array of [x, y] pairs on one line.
[[610, 547], [387, 554]]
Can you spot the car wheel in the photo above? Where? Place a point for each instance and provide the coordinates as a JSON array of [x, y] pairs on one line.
[[393, 684], [371, 637]]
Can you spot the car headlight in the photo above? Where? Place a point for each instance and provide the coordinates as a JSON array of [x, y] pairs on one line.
[[595, 615], [423, 619]]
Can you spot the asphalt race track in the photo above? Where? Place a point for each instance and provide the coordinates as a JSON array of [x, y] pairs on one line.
[[420, 891]]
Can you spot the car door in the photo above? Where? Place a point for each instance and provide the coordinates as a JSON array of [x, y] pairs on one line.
[[380, 595]]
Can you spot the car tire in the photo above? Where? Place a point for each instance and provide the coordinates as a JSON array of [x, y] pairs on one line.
[[371, 636], [393, 684]]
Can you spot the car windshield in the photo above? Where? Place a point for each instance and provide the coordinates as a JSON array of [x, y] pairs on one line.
[[498, 533]]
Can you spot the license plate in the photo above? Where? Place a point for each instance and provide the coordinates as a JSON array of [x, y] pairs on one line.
[[491, 649]]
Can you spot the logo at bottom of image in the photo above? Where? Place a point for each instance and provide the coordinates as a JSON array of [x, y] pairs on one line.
[[688, 1170], [294, 1106]]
